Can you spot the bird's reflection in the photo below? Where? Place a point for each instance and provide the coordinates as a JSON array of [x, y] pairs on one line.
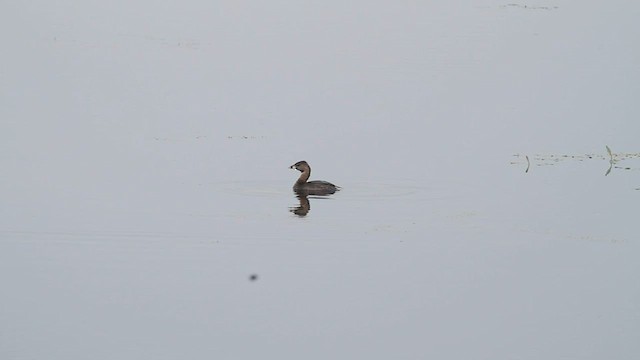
[[304, 205], [303, 208]]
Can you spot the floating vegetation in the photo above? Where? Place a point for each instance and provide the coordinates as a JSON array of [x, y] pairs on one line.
[[245, 137], [610, 160], [529, 7], [205, 137], [614, 160]]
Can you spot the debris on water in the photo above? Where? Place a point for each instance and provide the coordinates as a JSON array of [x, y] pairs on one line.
[[614, 159], [245, 137], [528, 7]]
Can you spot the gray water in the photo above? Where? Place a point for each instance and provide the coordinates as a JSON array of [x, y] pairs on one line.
[[147, 201]]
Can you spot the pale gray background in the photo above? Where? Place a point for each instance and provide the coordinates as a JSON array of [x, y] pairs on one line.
[[144, 154]]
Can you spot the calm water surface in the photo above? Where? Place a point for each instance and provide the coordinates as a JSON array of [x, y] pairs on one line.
[[147, 200]]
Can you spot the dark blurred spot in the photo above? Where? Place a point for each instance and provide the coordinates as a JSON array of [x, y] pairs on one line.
[[253, 277]]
